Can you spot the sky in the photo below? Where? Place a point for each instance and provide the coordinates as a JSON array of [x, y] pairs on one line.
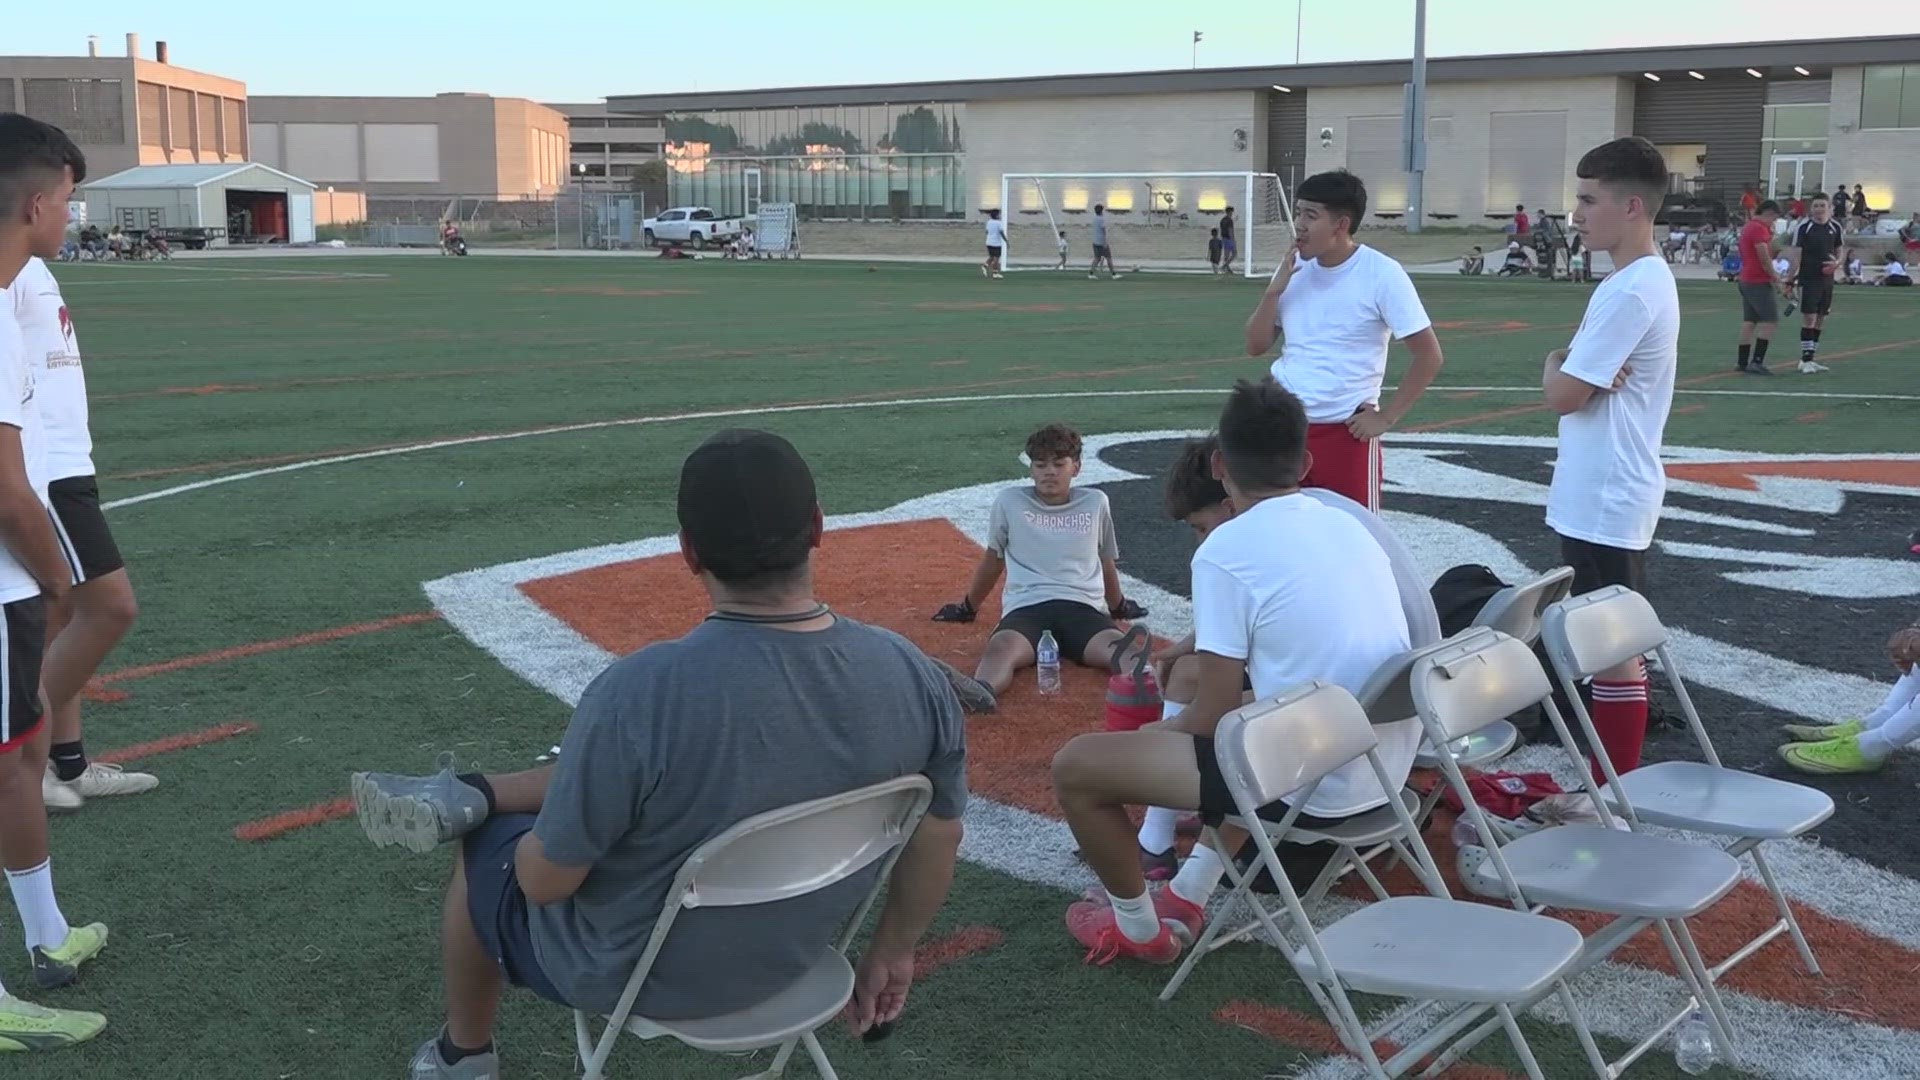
[[589, 49]]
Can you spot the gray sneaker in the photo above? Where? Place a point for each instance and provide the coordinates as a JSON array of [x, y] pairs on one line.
[[975, 696], [427, 1064], [418, 813]]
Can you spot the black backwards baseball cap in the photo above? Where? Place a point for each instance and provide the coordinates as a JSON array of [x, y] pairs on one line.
[[747, 504]]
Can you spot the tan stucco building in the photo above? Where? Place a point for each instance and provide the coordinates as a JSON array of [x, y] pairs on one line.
[[388, 147]]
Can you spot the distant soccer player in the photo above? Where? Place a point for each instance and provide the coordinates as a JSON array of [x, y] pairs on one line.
[[1759, 286], [1215, 247], [996, 244], [1613, 388], [1339, 302], [1229, 241], [1102, 246], [1062, 240], [39, 166], [1817, 250]]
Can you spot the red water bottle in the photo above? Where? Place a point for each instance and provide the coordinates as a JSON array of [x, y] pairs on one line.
[[1133, 698]]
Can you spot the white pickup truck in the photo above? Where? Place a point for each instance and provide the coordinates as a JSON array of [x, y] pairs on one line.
[[695, 226]]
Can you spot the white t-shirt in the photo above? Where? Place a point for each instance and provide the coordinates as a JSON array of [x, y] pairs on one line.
[[996, 232], [1608, 482], [1896, 269], [1063, 244], [60, 385], [1337, 323], [16, 411], [1300, 590]]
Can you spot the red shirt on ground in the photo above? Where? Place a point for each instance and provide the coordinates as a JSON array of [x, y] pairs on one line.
[[1755, 271]]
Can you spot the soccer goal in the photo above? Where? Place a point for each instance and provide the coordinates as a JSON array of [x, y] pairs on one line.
[[1155, 221]]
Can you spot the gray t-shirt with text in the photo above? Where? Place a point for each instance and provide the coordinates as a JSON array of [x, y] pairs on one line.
[[675, 744], [1052, 552]]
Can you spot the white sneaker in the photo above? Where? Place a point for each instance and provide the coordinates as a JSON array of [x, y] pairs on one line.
[[1808, 367], [57, 794], [106, 780]]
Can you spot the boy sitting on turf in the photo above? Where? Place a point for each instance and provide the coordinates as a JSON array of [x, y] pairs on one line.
[[1864, 745], [1057, 546]]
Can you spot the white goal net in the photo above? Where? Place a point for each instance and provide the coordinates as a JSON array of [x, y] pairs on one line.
[[1155, 221]]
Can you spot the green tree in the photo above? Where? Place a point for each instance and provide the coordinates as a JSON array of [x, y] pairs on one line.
[[921, 132], [685, 129], [814, 133]]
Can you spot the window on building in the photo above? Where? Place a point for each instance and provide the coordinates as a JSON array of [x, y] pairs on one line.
[[88, 109], [1890, 96]]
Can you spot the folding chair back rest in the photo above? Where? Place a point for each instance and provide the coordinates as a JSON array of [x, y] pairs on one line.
[[803, 848], [1470, 684], [1517, 609], [1603, 629], [1388, 695], [1273, 748]]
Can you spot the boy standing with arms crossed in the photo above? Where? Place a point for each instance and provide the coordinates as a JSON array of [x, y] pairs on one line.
[[1613, 388]]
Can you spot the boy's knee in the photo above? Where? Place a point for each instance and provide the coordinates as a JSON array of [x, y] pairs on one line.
[[1074, 767]]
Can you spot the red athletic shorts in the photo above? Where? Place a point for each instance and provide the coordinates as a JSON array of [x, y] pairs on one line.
[[1344, 464]]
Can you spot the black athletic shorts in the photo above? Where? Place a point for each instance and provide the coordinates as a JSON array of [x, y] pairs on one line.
[[1816, 297], [1102, 251], [1302, 862], [1596, 566], [84, 536], [1757, 303], [1074, 625], [993, 251], [23, 640]]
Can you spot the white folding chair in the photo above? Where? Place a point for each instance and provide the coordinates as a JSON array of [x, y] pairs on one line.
[[1516, 612], [1591, 633], [1357, 841], [767, 858], [1639, 879], [1458, 958]]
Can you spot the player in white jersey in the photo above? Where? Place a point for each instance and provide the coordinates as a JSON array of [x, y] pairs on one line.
[[39, 167], [996, 244], [97, 614], [1613, 388]]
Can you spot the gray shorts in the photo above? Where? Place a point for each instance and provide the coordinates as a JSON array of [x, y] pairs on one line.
[[1757, 304]]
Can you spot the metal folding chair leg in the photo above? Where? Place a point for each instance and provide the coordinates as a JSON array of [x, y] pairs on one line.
[[1786, 913], [819, 1056]]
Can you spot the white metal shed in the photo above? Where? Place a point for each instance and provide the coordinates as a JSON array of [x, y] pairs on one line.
[[253, 203]]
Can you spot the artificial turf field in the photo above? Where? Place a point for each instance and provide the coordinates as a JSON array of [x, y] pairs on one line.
[[290, 599]]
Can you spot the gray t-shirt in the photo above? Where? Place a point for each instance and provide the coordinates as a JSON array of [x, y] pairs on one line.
[[1052, 552], [673, 745], [1099, 230]]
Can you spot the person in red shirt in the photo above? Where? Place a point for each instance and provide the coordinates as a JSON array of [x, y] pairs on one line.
[[1799, 208], [1749, 201], [1758, 283], [1521, 224]]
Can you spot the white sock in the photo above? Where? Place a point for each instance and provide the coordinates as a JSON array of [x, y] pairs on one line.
[[39, 911], [1893, 733], [1136, 917], [1156, 832], [1903, 692], [1199, 876]]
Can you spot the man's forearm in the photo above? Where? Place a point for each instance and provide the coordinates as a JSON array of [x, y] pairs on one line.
[[985, 577], [1261, 331], [28, 534], [1427, 361], [919, 884]]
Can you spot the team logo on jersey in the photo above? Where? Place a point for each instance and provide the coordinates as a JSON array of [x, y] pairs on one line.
[[1780, 575]]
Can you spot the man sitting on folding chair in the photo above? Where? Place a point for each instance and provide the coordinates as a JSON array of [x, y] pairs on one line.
[[1290, 590], [772, 701]]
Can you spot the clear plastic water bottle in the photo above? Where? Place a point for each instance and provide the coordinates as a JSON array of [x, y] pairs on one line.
[[1693, 1048], [1047, 660]]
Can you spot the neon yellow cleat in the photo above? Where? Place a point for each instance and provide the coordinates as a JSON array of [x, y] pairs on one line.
[[54, 968], [25, 1026], [1823, 732]]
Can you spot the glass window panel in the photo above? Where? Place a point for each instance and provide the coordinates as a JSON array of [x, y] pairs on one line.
[[1880, 94], [1910, 97]]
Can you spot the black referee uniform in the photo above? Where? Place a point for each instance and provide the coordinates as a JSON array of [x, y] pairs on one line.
[[1820, 242]]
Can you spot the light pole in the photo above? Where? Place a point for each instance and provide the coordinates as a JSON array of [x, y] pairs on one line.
[[1196, 49], [1417, 120]]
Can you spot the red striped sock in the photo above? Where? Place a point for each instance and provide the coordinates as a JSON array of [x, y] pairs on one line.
[[1620, 716]]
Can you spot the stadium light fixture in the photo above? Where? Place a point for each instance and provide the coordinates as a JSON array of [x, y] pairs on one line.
[[1650, 76], [1755, 74], [1283, 89], [1801, 70], [1697, 75]]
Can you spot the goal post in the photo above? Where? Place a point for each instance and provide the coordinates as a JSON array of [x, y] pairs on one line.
[[1155, 221]]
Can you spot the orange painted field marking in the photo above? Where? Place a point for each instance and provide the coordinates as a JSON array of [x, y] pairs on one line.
[[236, 652], [186, 740], [1740, 475], [1813, 417], [1318, 1036], [941, 952], [278, 825]]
